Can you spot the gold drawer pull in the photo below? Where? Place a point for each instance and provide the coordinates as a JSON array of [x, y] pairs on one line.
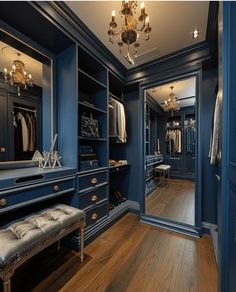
[[94, 180], [94, 216], [94, 198], [56, 188], [3, 202]]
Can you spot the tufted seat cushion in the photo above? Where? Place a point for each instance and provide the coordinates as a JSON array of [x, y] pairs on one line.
[[162, 167], [18, 239]]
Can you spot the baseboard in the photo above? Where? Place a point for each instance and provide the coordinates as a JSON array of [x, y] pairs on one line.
[[206, 227], [214, 237]]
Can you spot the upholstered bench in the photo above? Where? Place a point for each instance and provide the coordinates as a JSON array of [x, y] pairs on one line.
[[24, 239], [163, 170]]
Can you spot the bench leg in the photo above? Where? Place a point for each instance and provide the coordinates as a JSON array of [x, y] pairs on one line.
[[6, 278], [7, 285], [82, 244]]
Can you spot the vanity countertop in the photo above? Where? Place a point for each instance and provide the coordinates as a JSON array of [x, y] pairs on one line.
[[25, 176]]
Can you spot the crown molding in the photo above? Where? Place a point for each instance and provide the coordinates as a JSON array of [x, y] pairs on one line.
[[60, 14]]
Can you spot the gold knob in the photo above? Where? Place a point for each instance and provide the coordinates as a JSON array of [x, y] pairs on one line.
[[94, 198], [2, 149], [94, 216], [94, 180], [56, 188], [3, 202]]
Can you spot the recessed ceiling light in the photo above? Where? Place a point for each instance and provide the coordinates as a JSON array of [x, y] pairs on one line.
[[195, 33]]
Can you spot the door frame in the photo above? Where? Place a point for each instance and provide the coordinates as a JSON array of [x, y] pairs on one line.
[[196, 229]]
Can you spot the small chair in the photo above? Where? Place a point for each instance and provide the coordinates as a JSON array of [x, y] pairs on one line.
[[163, 170]]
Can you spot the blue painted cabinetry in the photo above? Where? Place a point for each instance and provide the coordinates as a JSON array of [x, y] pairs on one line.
[[24, 191]]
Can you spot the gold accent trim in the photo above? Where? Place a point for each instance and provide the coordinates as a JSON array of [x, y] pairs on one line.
[[3, 202], [94, 198], [93, 180], [94, 216]]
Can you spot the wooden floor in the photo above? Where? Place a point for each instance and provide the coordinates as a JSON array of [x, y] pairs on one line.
[[174, 201], [130, 256]]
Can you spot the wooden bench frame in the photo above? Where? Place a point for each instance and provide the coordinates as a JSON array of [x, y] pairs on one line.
[[7, 272]]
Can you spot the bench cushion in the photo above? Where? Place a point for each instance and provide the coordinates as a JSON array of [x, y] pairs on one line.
[[21, 237], [163, 167]]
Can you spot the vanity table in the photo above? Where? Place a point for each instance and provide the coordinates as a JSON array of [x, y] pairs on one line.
[[23, 191]]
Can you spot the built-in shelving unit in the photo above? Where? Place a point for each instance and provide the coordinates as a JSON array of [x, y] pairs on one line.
[[92, 103]]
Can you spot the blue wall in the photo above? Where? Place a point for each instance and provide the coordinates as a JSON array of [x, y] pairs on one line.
[[209, 192]]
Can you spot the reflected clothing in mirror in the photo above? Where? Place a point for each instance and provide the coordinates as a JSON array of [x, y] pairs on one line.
[[190, 140], [24, 124], [174, 141]]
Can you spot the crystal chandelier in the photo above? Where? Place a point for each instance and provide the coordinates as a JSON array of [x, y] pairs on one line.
[[17, 76], [131, 29], [172, 103]]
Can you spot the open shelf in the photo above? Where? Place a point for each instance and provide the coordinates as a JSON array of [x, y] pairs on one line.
[[92, 108], [88, 84], [92, 139], [91, 67]]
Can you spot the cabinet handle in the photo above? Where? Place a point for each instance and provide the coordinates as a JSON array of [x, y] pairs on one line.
[[94, 198], [93, 181], [94, 216], [56, 188], [218, 177], [3, 202]]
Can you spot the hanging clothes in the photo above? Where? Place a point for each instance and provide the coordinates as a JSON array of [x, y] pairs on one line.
[[117, 121], [214, 141], [25, 132], [174, 141]]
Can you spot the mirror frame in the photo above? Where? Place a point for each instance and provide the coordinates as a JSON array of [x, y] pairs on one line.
[[192, 230], [49, 124]]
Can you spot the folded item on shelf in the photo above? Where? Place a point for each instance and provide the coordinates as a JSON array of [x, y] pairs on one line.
[[122, 162], [85, 150], [89, 164]]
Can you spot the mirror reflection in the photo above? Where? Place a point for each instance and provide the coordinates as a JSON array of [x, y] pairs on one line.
[[170, 142], [21, 102]]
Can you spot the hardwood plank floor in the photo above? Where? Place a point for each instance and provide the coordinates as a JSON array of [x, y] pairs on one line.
[[174, 201], [130, 256]]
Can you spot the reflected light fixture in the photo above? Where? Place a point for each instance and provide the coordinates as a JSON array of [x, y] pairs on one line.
[[131, 31], [195, 33], [17, 76], [172, 103]]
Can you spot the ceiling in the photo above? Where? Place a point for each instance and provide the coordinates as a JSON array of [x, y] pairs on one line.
[[184, 88], [172, 25], [8, 54]]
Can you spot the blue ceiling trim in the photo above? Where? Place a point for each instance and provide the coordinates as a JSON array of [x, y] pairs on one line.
[[95, 45]]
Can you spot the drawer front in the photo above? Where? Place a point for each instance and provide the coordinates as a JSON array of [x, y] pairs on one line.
[[92, 180], [20, 197], [92, 198], [95, 214]]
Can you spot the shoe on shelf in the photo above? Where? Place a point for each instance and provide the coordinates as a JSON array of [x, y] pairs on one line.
[[113, 200], [111, 206], [121, 197]]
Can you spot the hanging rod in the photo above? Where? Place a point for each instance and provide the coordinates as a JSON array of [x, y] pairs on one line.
[[25, 109], [115, 97]]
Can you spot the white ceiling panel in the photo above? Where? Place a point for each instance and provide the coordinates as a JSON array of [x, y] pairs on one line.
[[172, 25]]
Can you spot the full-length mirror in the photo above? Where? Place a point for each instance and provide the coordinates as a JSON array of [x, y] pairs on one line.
[[170, 143], [25, 100]]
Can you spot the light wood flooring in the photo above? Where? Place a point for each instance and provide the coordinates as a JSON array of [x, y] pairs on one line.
[[174, 201], [130, 256]]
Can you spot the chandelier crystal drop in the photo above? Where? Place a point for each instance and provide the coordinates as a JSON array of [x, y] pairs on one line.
[[131, 31], [17, 76], [172, 103]]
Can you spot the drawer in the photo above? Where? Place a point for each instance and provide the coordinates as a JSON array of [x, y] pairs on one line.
[[23, 196], [92, 180], [93, 197], [97, 213]]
